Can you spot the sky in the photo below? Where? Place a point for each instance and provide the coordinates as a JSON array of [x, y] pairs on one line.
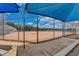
[[45, 22]]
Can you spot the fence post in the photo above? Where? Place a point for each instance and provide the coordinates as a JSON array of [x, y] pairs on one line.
[[63, 28], [54, 29], [37, 30], [3, 26]]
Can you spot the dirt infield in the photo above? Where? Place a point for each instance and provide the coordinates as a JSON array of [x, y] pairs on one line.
[[32, 36], [46, 48]]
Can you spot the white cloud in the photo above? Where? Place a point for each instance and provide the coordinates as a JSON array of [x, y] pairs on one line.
[[7, 14], [46, 19], [45, 26], [30, 23], [47, 22]]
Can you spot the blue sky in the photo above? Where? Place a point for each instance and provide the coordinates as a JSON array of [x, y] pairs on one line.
[[45, 22], [14, 17]]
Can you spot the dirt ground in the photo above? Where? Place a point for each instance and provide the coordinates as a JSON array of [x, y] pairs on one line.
[[49, 48], [46, 48], [32, 36]]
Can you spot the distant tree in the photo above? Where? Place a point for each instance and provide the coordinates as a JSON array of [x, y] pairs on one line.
[[17, 26], [11, 24], [29, 27]]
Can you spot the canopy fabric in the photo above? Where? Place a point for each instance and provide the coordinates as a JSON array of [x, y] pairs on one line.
[[8, 7], [65, 12]]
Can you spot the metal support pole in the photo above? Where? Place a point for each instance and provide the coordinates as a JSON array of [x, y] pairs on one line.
[[69, 30], [3, 27], [54, 29], [23, 14], [75, 33], [75, 30], [66, 28], [24, 32], [37, 30], [18, 31], [63, 29], [72, 31]]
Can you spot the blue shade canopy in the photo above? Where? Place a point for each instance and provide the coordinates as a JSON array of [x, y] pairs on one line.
[[8, 7], [65, 12]]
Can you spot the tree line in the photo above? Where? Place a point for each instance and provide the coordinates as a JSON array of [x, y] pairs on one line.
[[27, 27]]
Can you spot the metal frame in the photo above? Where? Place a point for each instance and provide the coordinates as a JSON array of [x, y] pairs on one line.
[[23, 12], [3, 27], [37, 30], [75, 30], [23, 32], [63, 28], [54, 29], [67, 29], [18, 31], [70, 29]]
